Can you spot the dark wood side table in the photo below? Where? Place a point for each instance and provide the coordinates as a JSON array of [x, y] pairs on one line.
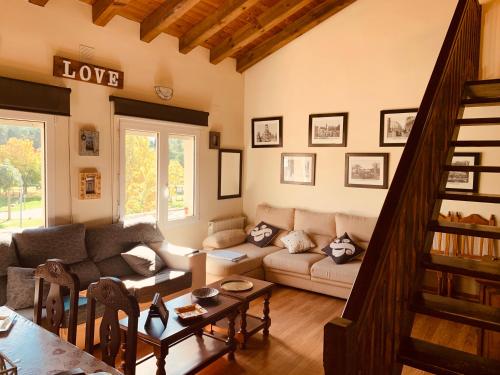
[[250, 324], [489, 341], [189, 348]]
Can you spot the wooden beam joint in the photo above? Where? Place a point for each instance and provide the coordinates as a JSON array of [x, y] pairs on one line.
[[104, 10]]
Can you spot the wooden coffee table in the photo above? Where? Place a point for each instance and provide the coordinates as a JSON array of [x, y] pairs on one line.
[[250, 324], [190, 349]]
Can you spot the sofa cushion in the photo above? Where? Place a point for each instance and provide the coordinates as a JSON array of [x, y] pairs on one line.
[[296, 263], [114, 266], [297, 241], [315, 222], [359, 228], [263, 234], [143, 260], [253, 260], [21, 287], [320, 241], [65, 242], [327, 269], [113, 239], [224, 239], [3, 290], [8, 255], [279, 217], [86, 271], [165, 282]]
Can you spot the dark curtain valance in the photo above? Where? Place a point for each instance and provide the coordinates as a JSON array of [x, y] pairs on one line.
[[34, 97], [137, 108]]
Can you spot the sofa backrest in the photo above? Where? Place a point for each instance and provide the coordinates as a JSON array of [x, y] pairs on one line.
[[8, 258], [359, 228], [315, 222], [279, 217]]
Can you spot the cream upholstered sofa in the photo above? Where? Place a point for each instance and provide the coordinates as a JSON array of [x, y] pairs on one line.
[[312, 270]]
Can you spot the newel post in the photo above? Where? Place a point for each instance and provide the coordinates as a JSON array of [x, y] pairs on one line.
[[338, 347]]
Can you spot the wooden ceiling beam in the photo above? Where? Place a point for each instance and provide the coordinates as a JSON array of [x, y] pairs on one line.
[[211, 25], [292, 31], [39, 2], [265, 22], [104, 10], [164, 16]]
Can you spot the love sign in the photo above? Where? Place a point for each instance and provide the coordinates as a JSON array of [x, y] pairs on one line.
[[77, 70]]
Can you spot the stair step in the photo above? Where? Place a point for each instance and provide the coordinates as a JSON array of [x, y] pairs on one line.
[[472, 168], [489, 143], [478, 121], [479, 102], [474, 230], [481, 269], [469, 197], [489, 88], [473, 314], [442, 360]]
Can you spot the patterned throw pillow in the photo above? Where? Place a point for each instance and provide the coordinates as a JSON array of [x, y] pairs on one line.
[[263, 234], [297, 242], [343, 249]]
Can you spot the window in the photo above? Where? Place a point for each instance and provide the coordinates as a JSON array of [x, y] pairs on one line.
[[22, 174], [158, 171]]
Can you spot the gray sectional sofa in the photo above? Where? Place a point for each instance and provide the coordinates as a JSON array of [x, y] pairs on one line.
[[95, 252]]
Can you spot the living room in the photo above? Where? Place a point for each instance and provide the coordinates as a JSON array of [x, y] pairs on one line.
[[102, 156]]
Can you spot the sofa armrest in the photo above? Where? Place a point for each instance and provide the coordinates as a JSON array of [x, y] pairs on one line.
[[183, 258]]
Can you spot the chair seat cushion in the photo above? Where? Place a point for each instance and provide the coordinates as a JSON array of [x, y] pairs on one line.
[[327, 269], [296, 263], [255, 254], [165, 282]]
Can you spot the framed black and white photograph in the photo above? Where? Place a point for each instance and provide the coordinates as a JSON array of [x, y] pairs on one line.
[[267, 132], [367, 170], [89, 143], [213, 140], [396, 125], [464, 180], [299, 169], [328, 130]]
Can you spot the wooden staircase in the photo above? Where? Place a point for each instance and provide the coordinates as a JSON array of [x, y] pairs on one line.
[[431, 357], [373, 336]]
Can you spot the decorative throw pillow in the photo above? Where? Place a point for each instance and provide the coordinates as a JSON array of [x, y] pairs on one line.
[[143, 260], [297, 242], [224, 239], [343, 249], [21, 288], [263, 234]]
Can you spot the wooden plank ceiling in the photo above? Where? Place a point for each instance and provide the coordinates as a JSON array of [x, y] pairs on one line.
[[247, 30]]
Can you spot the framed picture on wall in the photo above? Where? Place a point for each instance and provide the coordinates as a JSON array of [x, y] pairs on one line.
[[462, 180], [396, 125], [366, 170], [90, 185], [299, 169], [267, 132], [328, 130], [89, 143]]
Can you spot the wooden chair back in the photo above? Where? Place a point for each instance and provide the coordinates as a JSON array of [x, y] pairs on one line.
[[58, 275], [111, 292], [475, 247], [445, 243]]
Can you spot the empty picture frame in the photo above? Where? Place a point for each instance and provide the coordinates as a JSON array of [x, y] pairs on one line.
[[328, 130], [464, 180], [298, 168], [395, 126], [366, 170], [230, 173]]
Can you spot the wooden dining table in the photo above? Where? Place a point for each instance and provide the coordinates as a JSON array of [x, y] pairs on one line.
[[36, 351]]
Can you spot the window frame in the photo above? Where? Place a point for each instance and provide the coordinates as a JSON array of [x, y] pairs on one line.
[[164, 129], [49, 165]]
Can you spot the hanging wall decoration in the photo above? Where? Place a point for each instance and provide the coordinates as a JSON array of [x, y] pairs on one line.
[[89, 143], [90, 185]]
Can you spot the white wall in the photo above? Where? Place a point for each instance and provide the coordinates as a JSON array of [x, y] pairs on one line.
[[29, 38], [373, 55]]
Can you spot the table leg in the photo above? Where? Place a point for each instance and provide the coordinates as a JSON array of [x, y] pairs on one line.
[[160, 354], [243, 328], [267, 319], [230, 334]]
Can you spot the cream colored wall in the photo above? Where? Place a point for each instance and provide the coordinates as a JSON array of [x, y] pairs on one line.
[[29, 38], [373, 55]]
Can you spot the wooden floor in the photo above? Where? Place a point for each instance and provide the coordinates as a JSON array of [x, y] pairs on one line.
[[295, 345]]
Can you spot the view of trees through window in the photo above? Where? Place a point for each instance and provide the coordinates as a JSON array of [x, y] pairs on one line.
[[22, 201]]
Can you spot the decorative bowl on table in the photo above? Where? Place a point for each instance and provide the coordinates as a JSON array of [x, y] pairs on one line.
[[236, 285], [190, 311], [205, 294]]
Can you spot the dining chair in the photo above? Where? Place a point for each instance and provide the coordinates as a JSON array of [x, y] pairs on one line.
[[112, 294], [475, 247], [60, 279], [444, 244]]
